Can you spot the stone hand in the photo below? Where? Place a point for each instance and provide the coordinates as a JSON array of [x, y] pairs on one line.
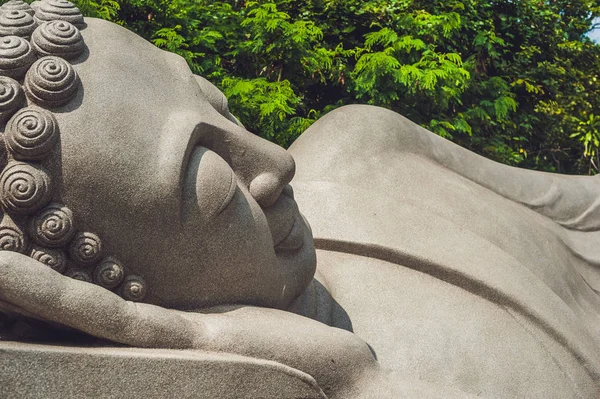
[[332, 356], [35, 290]]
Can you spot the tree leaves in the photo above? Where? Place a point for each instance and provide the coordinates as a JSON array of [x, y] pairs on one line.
[[515, 81]]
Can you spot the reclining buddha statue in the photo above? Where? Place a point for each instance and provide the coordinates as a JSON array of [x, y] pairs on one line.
[[153, 247]]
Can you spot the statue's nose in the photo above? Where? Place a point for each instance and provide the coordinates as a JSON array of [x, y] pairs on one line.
[[266, 187], [264, 167], [270, 169]]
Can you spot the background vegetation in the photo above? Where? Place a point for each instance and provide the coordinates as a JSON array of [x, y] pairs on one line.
[[514, 80]]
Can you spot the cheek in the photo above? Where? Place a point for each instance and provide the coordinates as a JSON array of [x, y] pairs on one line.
[[208, 186], [241, 228], [239, 264]]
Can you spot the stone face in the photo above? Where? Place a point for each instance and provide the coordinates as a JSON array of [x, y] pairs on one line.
[[440, 273]]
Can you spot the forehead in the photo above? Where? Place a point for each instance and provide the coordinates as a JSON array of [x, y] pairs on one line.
[[121, 71]]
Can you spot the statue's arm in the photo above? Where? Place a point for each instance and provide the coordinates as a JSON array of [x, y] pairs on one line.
[[29, 287], [361, 137], [334, 357]]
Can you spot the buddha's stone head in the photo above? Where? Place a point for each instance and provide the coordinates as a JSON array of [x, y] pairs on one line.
[[125, 169]]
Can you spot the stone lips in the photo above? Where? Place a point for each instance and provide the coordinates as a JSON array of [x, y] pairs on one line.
[[24, 188], [17, 23], [53, 226], [31, 134], [53, 258], [16, 5], [51, 81], [57, 10], [12, 97], [16, 57], [59, 38]]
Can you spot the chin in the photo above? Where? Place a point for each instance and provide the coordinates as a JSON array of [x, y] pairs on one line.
[[298, 266]]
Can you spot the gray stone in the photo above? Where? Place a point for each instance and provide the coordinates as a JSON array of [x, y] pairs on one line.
[[156, 249]]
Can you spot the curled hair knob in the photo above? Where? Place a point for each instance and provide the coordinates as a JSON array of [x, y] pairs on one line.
[[12, 97], [57, 10], [24, 188], [16, 5], [109, 273], [17, 23], [53, 258], [85, 249], [133, 288], [78, 274], [31, 134], [16, 56], [53, 226], [12, 237], [51, 82], [59, 38]]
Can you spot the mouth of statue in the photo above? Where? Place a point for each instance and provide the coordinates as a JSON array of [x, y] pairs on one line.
[[294, 239]]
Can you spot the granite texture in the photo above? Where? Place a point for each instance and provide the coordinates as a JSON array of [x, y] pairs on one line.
[[153, 247], [484, 276]]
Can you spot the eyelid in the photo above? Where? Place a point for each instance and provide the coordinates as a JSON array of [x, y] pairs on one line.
[[208, 187]]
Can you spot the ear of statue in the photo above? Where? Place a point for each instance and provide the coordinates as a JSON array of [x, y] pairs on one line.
[[32, 289]]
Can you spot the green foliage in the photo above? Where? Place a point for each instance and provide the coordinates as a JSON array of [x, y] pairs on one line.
[[588, 132], [270, 104], [515, 81], [105, 9]]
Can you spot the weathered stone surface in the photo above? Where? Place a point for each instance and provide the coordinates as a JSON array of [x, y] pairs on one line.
[[13, 5], [439, 273], [158, 374], [16, 56], [59, 38], [16, 23], [57, 10]]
